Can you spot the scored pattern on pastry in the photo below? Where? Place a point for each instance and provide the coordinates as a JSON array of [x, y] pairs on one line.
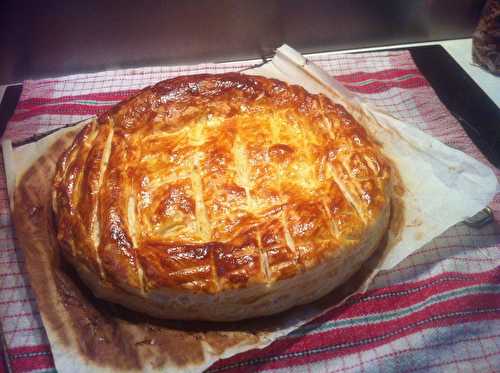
[[213, 182]]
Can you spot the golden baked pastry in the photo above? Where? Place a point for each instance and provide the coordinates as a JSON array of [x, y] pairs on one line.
[[220, 197]]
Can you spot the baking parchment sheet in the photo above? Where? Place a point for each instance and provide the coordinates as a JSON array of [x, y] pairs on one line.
[[442, 186]]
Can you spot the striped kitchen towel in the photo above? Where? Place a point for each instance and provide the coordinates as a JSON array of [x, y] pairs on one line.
[[437, 310]]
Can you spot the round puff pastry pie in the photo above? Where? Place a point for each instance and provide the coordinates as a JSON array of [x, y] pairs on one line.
[[220, 197]]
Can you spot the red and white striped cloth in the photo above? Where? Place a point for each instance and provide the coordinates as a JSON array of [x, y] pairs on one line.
[[438, 310]]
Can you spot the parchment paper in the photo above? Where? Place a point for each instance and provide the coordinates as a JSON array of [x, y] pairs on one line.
[[442, 186]]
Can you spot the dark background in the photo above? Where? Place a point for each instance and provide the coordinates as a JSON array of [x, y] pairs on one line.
[[45, 38]]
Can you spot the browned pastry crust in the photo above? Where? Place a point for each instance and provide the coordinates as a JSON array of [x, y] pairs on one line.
[[220, 197]]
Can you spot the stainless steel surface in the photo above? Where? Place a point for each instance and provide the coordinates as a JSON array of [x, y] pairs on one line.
[[482, 218], [39, 39]]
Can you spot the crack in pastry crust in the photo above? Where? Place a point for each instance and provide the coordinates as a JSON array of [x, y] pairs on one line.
[[214, 190]]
